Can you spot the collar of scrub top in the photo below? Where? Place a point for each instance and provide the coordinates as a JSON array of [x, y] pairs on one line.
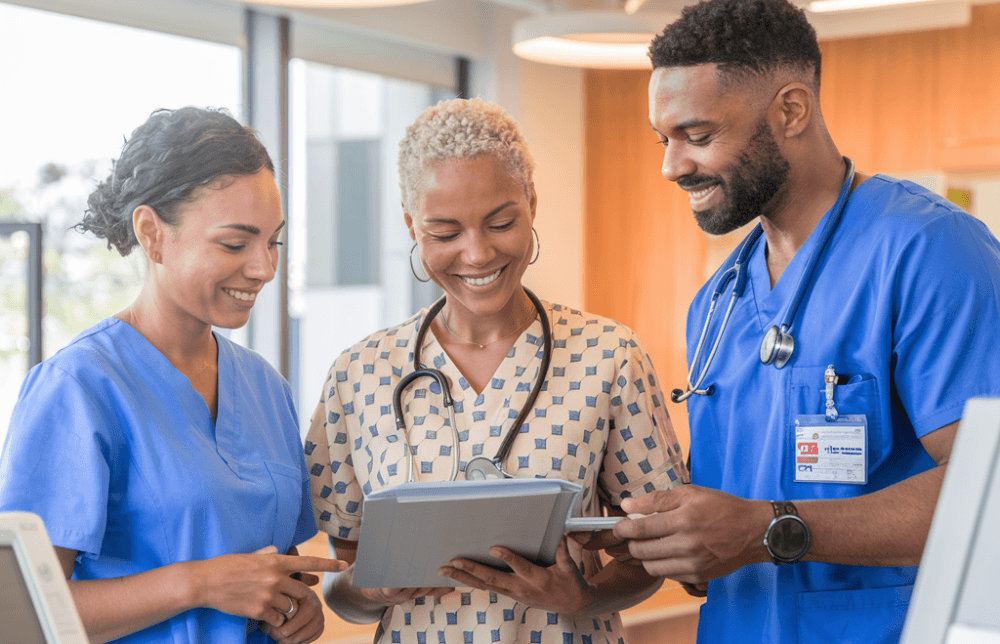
[[778, 344], [479, 467]]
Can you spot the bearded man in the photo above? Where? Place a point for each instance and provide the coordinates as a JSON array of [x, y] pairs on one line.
[[851, 327]]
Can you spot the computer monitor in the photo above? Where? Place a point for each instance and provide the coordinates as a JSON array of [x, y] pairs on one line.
[[955, 598], [35, 603]]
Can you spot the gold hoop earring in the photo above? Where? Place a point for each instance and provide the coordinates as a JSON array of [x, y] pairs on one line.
[[427, 277], [538, 246]]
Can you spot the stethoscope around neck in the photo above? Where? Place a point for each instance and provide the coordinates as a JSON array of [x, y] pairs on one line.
[[778, 344], [481, 467]]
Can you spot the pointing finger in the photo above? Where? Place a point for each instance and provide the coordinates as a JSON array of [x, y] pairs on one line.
[[311, 564]]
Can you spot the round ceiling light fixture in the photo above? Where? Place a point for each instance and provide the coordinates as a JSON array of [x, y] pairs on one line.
[[593, 39]]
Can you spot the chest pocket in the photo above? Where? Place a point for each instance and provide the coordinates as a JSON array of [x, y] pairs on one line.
[[288, 502], [807, 395]]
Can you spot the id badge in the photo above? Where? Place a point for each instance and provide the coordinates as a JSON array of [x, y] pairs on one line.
[[831, 451]]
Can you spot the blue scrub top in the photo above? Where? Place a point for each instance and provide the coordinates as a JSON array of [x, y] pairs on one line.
[[116, 451], [905, 301]]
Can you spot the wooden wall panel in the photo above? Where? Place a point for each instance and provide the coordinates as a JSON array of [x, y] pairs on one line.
[[968, 71], [644, 254], [879, 100], [917, 102]]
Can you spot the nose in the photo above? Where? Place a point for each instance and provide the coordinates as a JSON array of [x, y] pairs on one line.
[[478, 250], [676, 163], [262, 263]]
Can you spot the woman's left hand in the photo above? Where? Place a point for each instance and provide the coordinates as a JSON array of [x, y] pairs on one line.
[[303, 625], [559, 588]]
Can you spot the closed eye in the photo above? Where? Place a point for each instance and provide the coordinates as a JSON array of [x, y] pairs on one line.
[[444, 238]]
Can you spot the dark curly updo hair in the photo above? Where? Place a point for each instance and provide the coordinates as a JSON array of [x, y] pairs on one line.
[[746, 38], [165, 161]]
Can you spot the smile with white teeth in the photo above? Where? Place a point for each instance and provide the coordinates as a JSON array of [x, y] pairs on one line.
[[698, 194], [481, 281], [241, 295]]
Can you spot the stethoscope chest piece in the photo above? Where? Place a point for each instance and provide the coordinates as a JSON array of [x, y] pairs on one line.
[[777, 347], [482, 469]]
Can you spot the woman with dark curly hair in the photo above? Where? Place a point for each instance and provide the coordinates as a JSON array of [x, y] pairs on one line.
[[164, 459]]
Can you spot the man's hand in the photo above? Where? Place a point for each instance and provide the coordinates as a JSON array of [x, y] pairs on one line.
[[695, 534]]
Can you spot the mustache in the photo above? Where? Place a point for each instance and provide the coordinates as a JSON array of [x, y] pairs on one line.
[[696, 181]]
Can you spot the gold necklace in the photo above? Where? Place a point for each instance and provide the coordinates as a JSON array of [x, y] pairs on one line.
[[518, 329]]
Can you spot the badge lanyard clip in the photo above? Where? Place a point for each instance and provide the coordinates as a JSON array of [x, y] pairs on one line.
[[830, 376]]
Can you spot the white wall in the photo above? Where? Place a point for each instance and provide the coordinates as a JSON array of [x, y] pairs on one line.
[[548, 102], [552, 120]]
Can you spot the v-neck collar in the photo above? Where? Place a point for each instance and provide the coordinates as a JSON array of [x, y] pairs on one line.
[[509, 387], [225, 430], [772, 302]]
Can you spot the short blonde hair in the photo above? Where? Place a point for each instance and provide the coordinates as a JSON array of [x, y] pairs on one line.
[[457, 129]]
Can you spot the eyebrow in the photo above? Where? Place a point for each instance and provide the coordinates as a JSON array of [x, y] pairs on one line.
[[442, 220], [684, 125], [253, 230]]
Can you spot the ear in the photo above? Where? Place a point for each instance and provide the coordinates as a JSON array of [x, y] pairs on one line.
[[532, 200], [793, 109], [409, 224], [149, 230]]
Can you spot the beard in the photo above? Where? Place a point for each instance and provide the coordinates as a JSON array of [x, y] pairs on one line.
[[758, 175]]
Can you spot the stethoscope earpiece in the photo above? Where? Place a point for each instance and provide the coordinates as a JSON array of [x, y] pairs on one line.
[[777, 347]]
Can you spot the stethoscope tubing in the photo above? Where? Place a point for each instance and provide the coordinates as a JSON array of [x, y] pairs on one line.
[[401, 424], [419, 371], [737, 273], [837, 211]]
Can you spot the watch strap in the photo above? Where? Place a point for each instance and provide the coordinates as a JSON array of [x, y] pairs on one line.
[[781, 508]]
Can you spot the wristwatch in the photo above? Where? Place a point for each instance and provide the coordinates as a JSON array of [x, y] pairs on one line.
[[787, 537]]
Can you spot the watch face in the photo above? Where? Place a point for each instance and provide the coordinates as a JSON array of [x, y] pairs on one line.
[[787, 537]]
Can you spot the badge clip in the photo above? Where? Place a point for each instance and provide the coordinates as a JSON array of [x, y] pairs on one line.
[[830, 376]]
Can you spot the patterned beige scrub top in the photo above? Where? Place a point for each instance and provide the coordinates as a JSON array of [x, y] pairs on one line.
[[599, 421]]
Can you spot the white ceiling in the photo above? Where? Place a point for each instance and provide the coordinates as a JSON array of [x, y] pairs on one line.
[[472, 28], [930, 14]]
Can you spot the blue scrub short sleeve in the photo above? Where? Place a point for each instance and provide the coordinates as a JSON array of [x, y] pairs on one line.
[[56, 458], [947, 308], [336, 494], [642, 453]]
